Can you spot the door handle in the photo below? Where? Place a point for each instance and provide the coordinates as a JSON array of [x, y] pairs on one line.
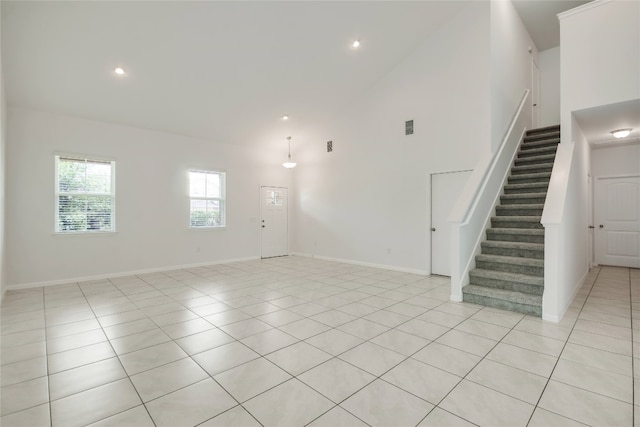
[[591, 226], [601, 226], [263, 226], [433, 229]]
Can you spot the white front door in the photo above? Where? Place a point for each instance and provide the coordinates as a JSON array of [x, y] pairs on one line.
[[617, 222], [445, 189], [274, 222]]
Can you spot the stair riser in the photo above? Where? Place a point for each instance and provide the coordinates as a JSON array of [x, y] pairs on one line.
[[526, 190], [497, 223], [542, 135], [510, 211], [537, 152], [539, 144], [521, 253], [539, 169], [522, 201], [511, 268], [533, 160], [520, 179], [507, 286], [544, 130], [503, 305], [522, 238]]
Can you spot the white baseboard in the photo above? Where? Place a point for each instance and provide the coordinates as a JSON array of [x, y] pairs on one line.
[[122, 274], [576, 288], [456, 297], [364, 264]]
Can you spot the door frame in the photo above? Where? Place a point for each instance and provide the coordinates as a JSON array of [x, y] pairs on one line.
[[594, 208], [430, 213], [535, 94], [261, 218]]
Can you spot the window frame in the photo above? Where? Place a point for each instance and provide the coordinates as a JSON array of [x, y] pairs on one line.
[[58, 193], [222, 200]]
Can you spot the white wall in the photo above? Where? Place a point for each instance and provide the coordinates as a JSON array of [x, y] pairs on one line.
[[152, 204], [616, 160], [3, 138], [600, 55], [600, 64], [369, 200], [550, 87], [510, 66]]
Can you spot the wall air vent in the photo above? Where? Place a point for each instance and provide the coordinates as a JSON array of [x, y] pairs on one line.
[[408, 127]]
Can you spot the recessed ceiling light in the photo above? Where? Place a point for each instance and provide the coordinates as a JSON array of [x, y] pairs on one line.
[[621, 133], [285, 117], [119, 71], [356, 43]]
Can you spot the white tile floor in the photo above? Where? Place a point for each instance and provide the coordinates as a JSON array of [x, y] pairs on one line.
[[297, 341]]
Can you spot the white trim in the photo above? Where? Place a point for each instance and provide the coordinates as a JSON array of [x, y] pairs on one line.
[[364, 264], [557, 318], [127, 273], [222, 200], [583, 8]]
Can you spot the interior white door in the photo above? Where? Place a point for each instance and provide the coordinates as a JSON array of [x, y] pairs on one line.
[[274, 222], [617, 225], [535, 94], [445, 189]]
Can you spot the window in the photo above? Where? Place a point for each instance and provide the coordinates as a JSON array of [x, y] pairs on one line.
[[85, 195], [207, 193]]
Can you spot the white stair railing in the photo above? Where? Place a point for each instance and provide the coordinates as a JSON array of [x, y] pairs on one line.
[[475, 206]]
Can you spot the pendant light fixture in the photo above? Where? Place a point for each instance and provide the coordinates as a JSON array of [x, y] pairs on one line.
[[289, 164]]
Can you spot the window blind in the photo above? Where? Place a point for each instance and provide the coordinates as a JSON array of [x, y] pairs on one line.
[[85, 195]]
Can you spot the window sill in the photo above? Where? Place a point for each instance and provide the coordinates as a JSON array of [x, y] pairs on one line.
[[84, 233], [208, 228]]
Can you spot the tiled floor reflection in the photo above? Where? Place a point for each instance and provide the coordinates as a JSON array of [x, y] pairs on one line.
[[297, 341]]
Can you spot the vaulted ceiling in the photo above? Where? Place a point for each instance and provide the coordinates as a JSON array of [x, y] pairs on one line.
[[225, 71]]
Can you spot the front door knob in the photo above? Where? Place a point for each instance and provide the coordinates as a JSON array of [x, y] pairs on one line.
[[433, 229]]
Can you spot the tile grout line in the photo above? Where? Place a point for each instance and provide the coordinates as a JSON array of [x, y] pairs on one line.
[[633, 372], [119, 361], [595, 279], [474, 366]]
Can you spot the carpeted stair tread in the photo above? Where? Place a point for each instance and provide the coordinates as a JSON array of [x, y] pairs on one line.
[[524, 198], [530, 176], [538, 143], [505, 300], [546, 129], [513, 221], [509, 271], [530, 250], [545, 158], [505, 276], [521, 206], [531, 235], [539, 167], [537, 151], [526, 187], [512, 260], [514, 245]]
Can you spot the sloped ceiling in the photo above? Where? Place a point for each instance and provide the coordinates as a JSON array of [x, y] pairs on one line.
[[223, 71]]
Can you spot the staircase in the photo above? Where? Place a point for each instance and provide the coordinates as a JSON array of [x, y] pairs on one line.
[[509, 271]]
